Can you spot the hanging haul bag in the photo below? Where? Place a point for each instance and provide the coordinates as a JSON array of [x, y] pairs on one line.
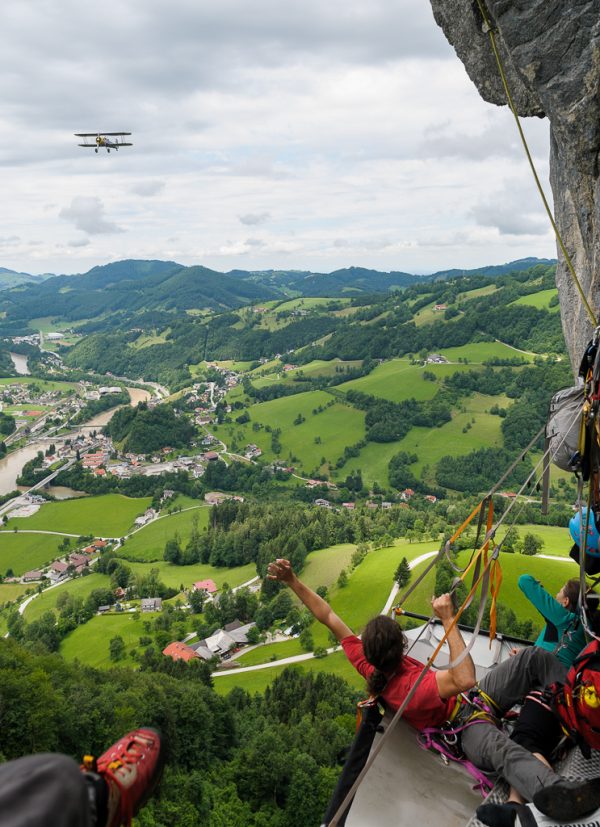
[[577, 703], [564, 428]]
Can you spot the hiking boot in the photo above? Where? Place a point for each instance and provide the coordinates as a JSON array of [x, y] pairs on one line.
[[131, 770], [568, 800]]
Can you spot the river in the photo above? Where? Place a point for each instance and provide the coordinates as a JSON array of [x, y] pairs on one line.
[[20, 363], [11, 465]]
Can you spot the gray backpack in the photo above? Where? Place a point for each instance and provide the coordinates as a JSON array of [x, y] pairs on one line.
[[563, 435], [564, 428]]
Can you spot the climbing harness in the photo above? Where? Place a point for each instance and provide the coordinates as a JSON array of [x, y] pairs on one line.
[[446, 739]]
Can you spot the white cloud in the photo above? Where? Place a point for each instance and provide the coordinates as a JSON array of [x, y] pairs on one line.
[[254, 218], [87, 214], [148, 188]]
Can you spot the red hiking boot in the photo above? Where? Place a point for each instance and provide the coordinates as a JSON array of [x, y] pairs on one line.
[[131, 769]]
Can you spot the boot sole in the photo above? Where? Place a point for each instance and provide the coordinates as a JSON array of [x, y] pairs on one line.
[[566, 804], [160, 766]]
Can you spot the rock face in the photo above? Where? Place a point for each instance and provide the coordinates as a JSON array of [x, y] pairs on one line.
[[551, 54]]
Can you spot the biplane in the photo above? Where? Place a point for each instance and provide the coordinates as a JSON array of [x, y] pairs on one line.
[[104, 140]]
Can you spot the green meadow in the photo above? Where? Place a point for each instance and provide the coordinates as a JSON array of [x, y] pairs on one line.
[[80, 586], [12, 591], [541, 300], [431, 444], [175, 576], [398, 380], [336, 427], [480, 352], [477, 292], [23, 552], [148, 543], [90, 643], [109, 515]]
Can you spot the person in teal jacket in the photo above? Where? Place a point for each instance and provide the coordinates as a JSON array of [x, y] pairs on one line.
[[563, 633]]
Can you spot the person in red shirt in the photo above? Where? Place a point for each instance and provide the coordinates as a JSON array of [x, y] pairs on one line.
[[380, 657], [390, 674]]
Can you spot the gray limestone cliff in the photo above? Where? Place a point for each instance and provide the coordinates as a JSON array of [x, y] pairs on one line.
[[551, 53]]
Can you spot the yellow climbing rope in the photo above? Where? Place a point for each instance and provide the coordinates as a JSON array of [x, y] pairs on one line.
[[490, 30]]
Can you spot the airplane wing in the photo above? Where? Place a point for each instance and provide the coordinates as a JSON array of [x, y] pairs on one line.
[[86, 134], [124, 144], [90, 145], [115, 133]]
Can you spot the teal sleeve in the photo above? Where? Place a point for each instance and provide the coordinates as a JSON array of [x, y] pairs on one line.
[[546, 605]]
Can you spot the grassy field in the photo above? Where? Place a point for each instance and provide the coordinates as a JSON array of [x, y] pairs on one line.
[[23, 552], [321, 367], [337, 426], [477, 292], [90, 643], [397, 380], [322, 567], [81, 586], [258, 681], [480, 352], [540, 300], [431, 444], [12, 591], [174, 576], [110, 515], [148, 543]]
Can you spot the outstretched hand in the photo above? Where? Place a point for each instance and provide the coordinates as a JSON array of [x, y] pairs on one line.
[[281, 570], [443, 607]]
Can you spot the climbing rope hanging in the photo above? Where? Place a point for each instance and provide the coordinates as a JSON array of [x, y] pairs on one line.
[[489, 28]]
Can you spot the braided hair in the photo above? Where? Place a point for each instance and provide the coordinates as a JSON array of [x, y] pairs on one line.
[[384, 644]]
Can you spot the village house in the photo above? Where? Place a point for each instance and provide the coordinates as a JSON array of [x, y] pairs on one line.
[[322, 503], [58, 571], [215, 497], [407, 494], [79, 560], [208, 586], [238, 631], [151, 604], [349, 506], [180, 651], [31, 576], [220, 643], [202, 650], [146, 517]]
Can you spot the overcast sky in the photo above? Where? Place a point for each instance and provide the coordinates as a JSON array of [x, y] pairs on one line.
[[267, 134]]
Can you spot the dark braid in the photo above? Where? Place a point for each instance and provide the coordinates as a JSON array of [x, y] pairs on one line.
[[384, 644]]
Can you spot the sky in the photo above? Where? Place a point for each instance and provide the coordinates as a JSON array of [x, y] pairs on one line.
[[267, 135]]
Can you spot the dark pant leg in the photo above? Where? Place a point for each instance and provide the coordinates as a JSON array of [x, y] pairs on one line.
[[46, 790], [511, 680], [491, 749], [537, 729]]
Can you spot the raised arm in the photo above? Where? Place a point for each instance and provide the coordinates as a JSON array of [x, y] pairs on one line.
[[282, 570], [544, 602], [452, 681]]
